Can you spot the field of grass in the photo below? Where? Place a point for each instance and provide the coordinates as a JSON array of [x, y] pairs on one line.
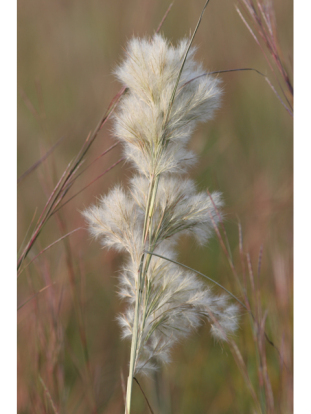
[[70, 355]]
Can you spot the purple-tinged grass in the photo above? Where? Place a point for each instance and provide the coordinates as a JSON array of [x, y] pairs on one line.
[[262, 15]]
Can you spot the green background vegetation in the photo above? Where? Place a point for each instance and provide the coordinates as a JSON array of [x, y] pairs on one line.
[[67, 51]]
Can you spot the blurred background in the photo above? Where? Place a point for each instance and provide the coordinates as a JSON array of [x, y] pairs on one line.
[[70, 355]]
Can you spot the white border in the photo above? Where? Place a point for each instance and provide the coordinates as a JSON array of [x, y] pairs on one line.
[[8, 302], [302, 206]]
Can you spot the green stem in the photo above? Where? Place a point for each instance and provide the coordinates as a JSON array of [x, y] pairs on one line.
[[134, 341], [139, 291], [147, 231], [132, 359]]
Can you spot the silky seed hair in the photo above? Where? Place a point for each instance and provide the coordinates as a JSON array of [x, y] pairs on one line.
[[151, 217], [150, 71]]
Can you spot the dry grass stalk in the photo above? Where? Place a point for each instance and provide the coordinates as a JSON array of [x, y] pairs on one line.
[[64, 184], [262, 17], [155, 121]]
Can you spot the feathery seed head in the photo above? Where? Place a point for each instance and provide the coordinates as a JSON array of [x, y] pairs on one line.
[[165, 302], [178, 208], [176, 302], [146, 121], [117, 222]]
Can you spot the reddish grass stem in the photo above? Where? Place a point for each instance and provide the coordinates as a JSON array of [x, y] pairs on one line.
[[61, 188], [262, 16], [149, 406], [164, 17], [39, 162], [48, 395]]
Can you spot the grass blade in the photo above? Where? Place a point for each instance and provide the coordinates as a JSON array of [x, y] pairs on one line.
[[55, 411], [182, 66], [149, 406], [39, 162], [199, 273], [164, 17]]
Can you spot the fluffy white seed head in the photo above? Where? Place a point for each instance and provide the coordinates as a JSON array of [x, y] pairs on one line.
[[179, 209], [152, 214], [117, 222], [176, 303], [145, 118]]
